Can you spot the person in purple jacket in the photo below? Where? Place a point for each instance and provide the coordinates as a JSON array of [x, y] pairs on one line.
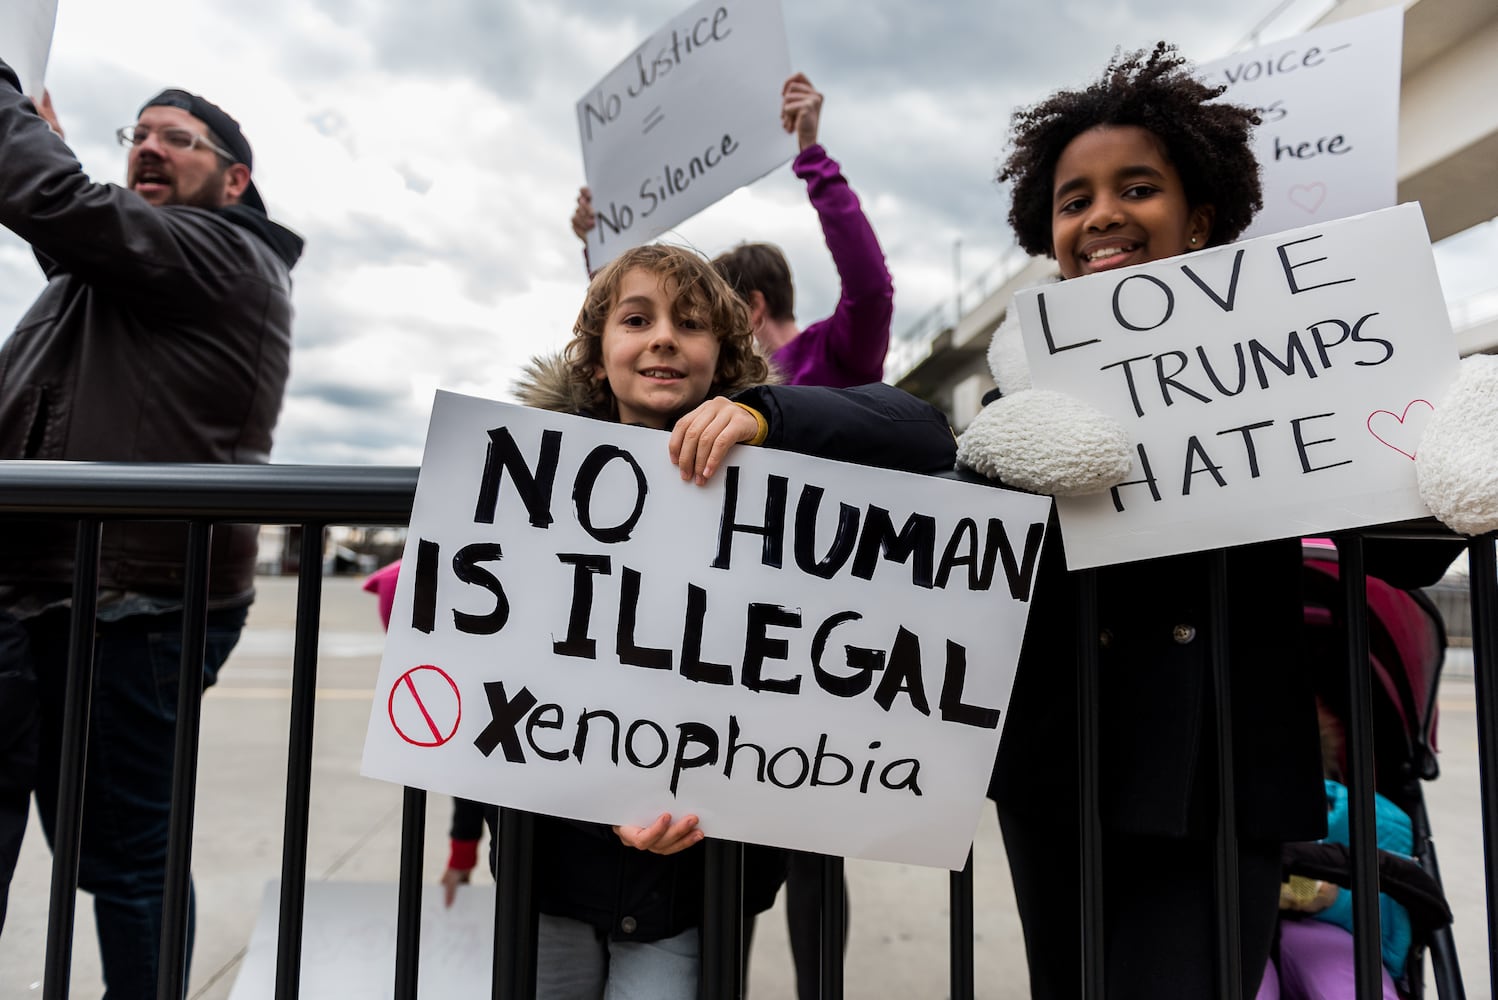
[[848, 347]]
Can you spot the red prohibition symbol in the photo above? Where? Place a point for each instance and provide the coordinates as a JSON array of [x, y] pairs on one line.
[[425, 707]]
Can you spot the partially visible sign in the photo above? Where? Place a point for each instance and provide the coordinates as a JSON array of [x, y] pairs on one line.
[[689, 116], [1273, 388], [26, 40], [803, 653], [1329, 100]]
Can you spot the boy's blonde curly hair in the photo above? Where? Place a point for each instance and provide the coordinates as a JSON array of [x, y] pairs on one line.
[[691, 277]]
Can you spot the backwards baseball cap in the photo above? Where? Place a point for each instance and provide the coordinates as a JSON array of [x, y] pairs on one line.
[[224, 128]]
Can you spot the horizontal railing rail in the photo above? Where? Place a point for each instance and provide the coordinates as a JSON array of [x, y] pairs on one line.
[[264, 494], [316, 497]]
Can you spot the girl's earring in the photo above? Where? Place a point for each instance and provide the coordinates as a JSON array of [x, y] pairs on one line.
[[1193, 241]]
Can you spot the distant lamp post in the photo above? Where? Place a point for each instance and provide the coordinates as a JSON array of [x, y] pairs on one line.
[[957, 280]]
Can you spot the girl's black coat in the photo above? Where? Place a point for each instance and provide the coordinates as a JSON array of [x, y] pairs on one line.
[[1157, 754]]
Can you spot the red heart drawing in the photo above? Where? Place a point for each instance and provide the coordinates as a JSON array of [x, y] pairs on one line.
[[1400, 431], [1308, 197]]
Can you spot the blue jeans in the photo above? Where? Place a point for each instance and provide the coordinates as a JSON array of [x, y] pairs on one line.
[[18, 738], [128, 787], [574, 961]]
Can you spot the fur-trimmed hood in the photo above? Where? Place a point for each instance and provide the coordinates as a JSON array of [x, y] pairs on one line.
[[543, 384]]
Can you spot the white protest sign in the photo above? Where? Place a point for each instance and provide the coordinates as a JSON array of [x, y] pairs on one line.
[[803, 653], [1329, 100], [1273, 388], [348, 943], [26, 40], [692, 114]]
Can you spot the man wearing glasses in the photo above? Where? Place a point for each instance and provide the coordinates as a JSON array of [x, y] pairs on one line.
[[163, 335]]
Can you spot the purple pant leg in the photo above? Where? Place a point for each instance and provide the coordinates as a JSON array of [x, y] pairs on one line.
[[1269, 986], [1316, 960]]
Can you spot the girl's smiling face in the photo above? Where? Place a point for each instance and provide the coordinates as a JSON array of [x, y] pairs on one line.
[[659, 352], [1117, 200]]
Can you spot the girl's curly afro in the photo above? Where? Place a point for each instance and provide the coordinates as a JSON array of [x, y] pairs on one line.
[[1206, 140]]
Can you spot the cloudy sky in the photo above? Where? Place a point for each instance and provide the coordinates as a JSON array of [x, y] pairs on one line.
[[429, 154]]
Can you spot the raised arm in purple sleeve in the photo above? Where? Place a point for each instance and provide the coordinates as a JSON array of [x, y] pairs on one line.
[[848, 347]]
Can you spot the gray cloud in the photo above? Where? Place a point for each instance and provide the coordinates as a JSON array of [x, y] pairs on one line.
[[359, 396], [462, 266]]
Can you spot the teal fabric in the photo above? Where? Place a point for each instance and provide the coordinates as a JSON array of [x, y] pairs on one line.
[[1394, 835]]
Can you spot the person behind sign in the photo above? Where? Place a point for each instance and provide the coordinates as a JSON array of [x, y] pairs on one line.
[[662, 341], [1141, 165], [848, 347]]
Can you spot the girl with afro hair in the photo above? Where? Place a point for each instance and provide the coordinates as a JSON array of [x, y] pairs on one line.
[[1143, 164]]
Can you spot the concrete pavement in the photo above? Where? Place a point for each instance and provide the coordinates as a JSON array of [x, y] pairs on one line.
[[898, 940]]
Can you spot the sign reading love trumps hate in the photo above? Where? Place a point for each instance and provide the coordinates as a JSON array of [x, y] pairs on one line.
[[689, 116], [803, 653], [1271, 388]]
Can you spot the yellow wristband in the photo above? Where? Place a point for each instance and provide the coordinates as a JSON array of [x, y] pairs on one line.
[[759, 418]]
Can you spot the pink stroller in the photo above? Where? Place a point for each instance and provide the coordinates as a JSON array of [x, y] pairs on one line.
[[1407, 645]]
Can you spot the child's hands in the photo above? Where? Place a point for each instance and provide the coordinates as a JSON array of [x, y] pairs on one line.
[[1046, 442], [583, 217], [1457, 459], [451, 879], [701, 439], [1037, 440], [662, 836], [1306, 895]]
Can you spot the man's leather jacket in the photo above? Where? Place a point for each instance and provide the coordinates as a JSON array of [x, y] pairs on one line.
[[163, 335]]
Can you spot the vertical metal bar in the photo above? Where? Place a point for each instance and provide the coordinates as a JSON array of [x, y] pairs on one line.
[[77, 698], [514, 907], [1229, 912], [408, 907], [1088, 729], [834, 925], [1444, 965], [960, 900], [1483, 564], [1362, 828], [723, 921], [176, 912], [299, 764]]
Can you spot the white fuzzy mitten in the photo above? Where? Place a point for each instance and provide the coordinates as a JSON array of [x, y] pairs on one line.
[[1457, 459], [1039, 440]]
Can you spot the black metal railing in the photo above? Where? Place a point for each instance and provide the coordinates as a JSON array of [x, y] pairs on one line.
[[316, 497]]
